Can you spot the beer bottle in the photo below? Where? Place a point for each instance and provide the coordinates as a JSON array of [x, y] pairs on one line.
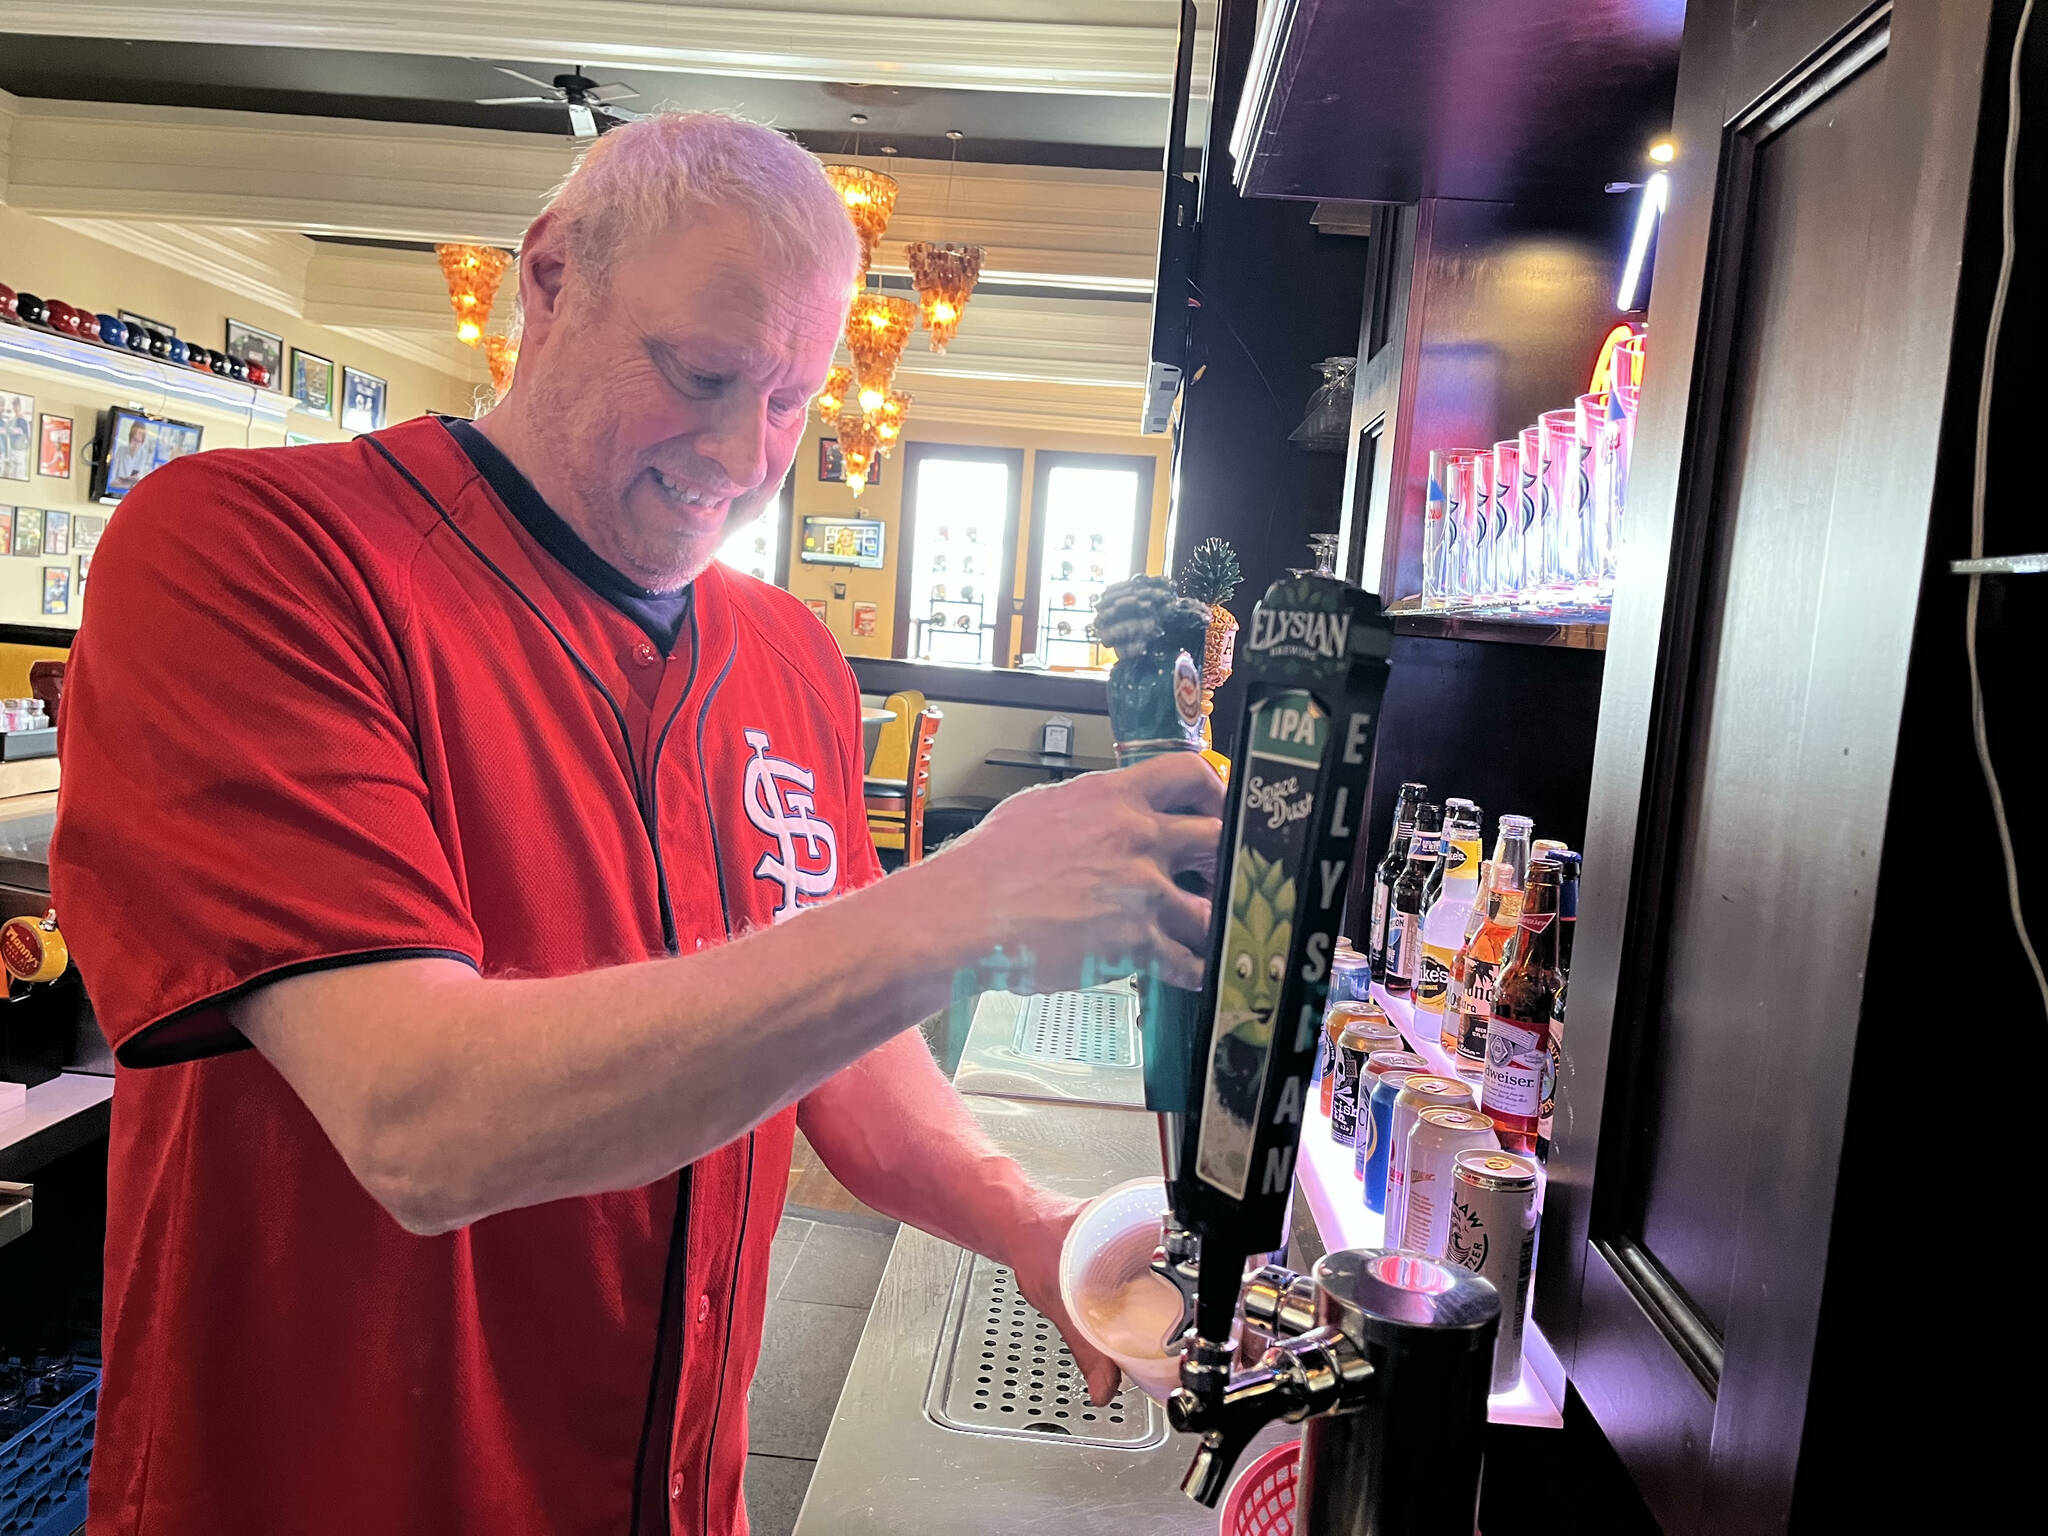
[[1404, 912], [1471, 997], [1443, 924], [1518, 1037], [1567, 922], [1388, 872], [1474, 920], [1453, 809]]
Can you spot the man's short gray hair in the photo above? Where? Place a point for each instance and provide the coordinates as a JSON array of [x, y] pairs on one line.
[[641, 178]]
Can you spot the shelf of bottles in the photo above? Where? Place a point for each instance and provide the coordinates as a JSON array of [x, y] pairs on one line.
[[956, 563], [1528, 529], [1087, 524]]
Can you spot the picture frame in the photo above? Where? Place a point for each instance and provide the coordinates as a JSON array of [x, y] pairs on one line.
[[28, 532], [865, 618], [86, 528], [312, 383], [832, 463], [56, 589], [818, 609], [54, 439], [6, 530], [84, 565], [129, 317], [362, 400], [252, 344], [17, 435], [56, 532]]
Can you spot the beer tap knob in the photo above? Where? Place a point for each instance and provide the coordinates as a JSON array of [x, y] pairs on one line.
[[1318, 1372], [1280, 1301], [1177, 1261]]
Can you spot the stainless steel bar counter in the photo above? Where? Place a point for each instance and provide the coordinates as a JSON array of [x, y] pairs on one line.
[[889, 1465]]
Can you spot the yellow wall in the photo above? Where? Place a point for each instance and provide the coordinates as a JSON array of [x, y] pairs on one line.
[[820, 498], [38, 257]]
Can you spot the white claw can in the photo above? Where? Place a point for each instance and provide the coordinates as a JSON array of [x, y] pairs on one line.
[[1493, 1234], [1438, 1137]]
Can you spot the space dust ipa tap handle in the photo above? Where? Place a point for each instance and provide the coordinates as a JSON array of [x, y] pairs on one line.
[[1315, 659]]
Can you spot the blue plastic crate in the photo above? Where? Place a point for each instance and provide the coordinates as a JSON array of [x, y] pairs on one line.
[[43, 1469]]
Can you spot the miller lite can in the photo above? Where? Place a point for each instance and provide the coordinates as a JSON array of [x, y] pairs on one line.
[[1493, 1234], [1439, 1136], [1385, 1072], [1417, 1094]]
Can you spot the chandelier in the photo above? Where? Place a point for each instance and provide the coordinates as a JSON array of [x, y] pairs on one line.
[[838, 385], [869, 197], [877, 326], [888, 419], [857, 442], [472, 273], [502, 353], [945, 275]]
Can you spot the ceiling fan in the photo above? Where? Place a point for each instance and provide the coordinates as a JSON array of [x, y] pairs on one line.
[[583, 96]]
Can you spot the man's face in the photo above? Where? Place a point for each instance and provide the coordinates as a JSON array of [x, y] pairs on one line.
[[667, 409]]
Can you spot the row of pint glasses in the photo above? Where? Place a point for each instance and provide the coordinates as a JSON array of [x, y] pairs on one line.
[[1535, 520]]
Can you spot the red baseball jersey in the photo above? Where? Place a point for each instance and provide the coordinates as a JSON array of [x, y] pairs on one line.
[[334, 704]]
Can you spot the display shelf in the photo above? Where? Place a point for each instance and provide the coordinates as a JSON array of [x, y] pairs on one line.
[[1582, 630], [1425, 1042], [131, 376], [54, 1117]]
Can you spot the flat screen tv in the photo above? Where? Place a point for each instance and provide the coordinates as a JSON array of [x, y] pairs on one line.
[[129, 444], [842, 541]]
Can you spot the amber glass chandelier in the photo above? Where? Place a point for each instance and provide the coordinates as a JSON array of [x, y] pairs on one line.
[[472, 273], [869, 197], [502, 353], [857, 443], [945, 275], [838, 385], [876, 328], [888, 420]]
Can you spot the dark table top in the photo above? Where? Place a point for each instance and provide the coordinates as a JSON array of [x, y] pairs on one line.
[[1048, 762]]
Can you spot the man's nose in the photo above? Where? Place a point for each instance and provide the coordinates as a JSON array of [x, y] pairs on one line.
[[738, 445]]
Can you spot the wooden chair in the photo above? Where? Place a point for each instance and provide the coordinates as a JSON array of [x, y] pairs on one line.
[[896, 807]]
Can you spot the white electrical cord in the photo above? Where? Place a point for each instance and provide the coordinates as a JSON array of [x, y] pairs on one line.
[[1977, 491]]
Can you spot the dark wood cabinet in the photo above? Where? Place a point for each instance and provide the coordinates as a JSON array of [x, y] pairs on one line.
[[1815, 330]]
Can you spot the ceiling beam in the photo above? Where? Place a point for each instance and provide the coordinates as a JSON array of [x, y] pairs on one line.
[[1089, 47]]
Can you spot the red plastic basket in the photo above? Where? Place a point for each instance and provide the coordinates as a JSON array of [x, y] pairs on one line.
[[1261, 1502]]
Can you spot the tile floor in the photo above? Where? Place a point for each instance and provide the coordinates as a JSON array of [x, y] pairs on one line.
[[824, 1269]]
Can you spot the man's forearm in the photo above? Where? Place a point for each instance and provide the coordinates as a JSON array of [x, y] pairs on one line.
[[453, 1097]]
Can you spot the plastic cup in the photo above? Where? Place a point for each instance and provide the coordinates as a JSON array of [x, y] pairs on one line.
[[1107, 1285]]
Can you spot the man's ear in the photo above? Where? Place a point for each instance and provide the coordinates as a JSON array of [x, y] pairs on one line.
[[543, 273]]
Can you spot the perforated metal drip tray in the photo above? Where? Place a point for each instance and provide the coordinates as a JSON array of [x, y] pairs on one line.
[[1096, 1027], [1003, 1370]]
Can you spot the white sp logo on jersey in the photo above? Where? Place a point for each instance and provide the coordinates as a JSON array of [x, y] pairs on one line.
[[780, 803]]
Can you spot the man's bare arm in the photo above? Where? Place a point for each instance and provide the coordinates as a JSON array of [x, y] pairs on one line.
[[453, 1097]]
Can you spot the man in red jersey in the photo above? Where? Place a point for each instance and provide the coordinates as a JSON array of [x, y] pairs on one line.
[[525, 846]]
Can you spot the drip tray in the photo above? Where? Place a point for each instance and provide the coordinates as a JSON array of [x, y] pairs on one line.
[[1003, 1370], [1097, 1027]]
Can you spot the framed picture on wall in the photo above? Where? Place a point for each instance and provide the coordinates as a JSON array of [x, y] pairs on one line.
[[362, 400], [832, 463], [313, 383], [258, 348], [28, 531], [129, 317], [84, 565], [54, 456], [86, 528], [6, 530], [17, 435], [56, 589], [56, 532]]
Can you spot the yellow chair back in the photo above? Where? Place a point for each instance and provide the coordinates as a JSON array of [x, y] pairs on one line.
[[894, 741]]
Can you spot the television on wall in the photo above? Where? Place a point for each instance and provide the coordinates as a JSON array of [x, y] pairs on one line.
[[842, 541], [129, 444]]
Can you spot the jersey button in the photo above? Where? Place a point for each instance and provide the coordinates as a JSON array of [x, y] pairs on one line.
[[646, 654], [703, 1309], [675, 1491]]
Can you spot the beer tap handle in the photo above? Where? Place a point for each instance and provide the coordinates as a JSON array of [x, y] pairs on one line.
[[1319, 1372], [1176, 1261]]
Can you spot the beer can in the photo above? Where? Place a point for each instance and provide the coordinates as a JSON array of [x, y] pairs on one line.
[[1386, 1071], [1417, 1094], [1439, 1136], [1336, 1019], [1493, 1233], [1353, 1046]]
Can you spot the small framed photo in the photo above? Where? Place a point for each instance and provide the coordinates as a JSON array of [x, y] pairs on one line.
[[84, 565], [6, 530], [817, 607], [56, 532], [832, 463], [28, 531], [865, 617], [259, 348], [17, 435], [129, 317], [313, 383], [53, 458], [56, 589], [86, 528], [362, 400]]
